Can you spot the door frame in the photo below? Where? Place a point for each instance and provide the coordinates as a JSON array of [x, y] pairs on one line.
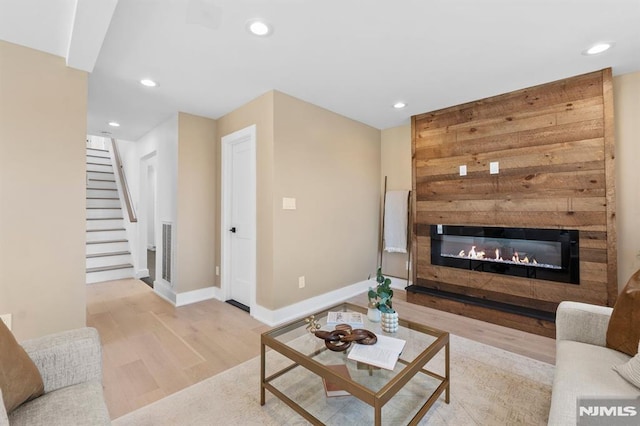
[[248, 134], [148, 160]]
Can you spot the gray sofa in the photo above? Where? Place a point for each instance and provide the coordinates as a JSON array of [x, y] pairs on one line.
[[583, 362], [70, 364]]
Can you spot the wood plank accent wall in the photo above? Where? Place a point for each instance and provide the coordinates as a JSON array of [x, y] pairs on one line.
[[555, 147]]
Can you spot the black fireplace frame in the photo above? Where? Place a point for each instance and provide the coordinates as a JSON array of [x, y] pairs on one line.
[[569, 272]]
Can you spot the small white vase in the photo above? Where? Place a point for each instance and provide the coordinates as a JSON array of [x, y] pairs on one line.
[[373, 314], [389, 322]]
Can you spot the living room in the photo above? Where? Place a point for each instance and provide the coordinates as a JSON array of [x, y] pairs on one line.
[[336, 179]]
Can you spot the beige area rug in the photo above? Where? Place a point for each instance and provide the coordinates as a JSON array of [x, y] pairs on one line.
[[489, 386]]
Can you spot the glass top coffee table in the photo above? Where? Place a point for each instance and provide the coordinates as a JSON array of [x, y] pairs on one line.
[[303, 361]]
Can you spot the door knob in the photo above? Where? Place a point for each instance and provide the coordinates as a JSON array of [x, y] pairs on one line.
[[233, 229]]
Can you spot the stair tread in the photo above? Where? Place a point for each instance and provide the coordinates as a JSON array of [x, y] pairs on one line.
[[106, 254], [106, 241], [109, 268], [102, 158]]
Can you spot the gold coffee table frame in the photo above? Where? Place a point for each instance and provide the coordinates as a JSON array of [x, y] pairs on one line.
[[375, 399]]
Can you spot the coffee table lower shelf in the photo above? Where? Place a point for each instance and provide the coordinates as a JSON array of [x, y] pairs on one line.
[[375, 399]]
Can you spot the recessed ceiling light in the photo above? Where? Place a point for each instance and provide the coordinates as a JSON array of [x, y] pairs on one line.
[[597, 48], [259, 28], [114, 124], [148, 82], [399, 105]]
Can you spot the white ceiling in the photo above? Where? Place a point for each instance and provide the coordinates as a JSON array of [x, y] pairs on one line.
[[354, 57]]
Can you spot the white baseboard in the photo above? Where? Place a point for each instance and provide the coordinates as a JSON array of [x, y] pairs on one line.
[[141, 273], [399, 283], [194, 296], [217, 294], [309, 306], [165, 291], [277, 316]]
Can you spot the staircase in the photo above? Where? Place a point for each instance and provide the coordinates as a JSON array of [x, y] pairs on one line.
[[108, 255]]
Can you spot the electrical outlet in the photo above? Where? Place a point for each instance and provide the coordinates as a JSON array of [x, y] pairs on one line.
[[217, 270], [301, 282], [6, 318]]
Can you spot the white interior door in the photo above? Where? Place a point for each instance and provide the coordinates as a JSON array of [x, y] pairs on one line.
[[240, 218]]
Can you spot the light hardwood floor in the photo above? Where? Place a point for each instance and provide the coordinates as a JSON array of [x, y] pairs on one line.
[[152, 349]]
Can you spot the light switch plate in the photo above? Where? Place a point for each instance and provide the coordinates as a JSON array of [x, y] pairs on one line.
[[463, 170], [288, 203], [494, 167]]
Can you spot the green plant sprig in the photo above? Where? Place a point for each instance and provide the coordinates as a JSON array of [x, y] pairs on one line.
[[381, 296]]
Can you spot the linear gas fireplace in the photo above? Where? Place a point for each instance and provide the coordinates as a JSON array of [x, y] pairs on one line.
[[544, 254]]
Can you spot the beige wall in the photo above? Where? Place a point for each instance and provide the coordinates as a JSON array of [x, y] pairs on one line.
[[331, 166], [627, 117], [196, 203], [395, 154], [43, 114], [258, 112]]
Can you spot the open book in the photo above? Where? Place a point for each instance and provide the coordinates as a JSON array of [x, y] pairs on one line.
[[383, 354], [354, 319]]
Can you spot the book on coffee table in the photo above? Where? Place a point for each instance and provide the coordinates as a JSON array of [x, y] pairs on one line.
[[334, 389], [384, 353], [354, 319]]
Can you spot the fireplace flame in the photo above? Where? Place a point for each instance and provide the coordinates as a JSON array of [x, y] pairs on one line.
[[481, 255]]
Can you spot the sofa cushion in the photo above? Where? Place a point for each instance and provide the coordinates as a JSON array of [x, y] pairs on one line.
[[81, 404], [584, 370], [631, 370], [623, 332], [20, 379]]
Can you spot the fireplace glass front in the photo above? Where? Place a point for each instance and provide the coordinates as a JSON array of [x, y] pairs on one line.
[[546, 254]]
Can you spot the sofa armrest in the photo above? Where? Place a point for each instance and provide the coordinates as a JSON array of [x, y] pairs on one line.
[[67, 358], [582, 322]]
